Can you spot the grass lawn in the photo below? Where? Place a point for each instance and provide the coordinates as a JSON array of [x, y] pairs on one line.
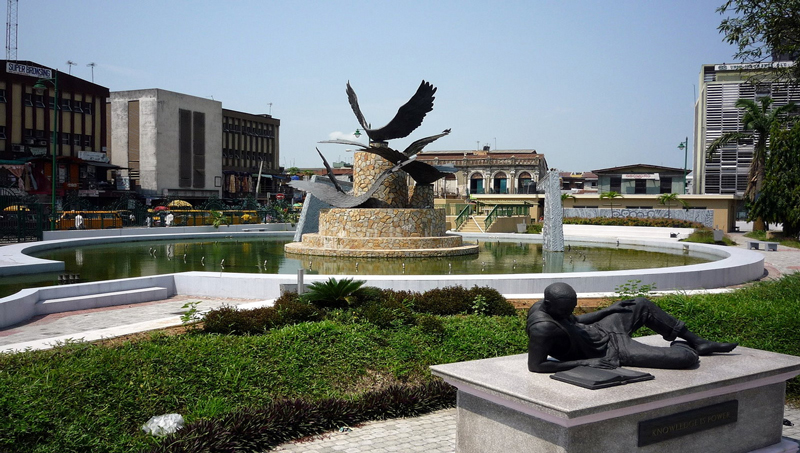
[[96, 396]]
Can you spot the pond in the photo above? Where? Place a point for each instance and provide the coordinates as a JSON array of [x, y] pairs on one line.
[[133, 259]]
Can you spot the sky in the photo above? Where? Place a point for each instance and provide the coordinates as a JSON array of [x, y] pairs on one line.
[[589, 84]]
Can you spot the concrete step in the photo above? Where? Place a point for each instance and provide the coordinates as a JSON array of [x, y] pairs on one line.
[[131, 296], [470, 227]]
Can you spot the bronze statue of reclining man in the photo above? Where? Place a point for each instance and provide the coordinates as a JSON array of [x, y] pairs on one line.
[[602, 339]]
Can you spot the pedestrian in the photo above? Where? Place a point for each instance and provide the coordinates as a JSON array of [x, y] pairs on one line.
[[169, 219], [78, 222], [148, 221], [132, 218]]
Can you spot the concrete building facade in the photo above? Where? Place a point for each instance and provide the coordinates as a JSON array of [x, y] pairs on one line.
[[487, 171], [171, 142], [250, 149], [721, 85]]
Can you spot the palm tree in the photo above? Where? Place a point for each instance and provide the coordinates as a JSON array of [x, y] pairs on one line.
[[332, 293], [669, 198], [610, 197], [756, 124]]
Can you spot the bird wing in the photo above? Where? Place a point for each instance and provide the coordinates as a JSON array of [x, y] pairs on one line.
[[387, 153], [340, 141], [417, 146], [330, 172], [408, 117], [329, 195], [351, 96]]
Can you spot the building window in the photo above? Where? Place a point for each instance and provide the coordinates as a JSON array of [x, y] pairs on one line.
[[65, 136], [27, 133], [66, 105], [28, 99], [616, 184], [39, 100], [76, 139], [640, 186], [76, 107], [39, 134], [87, 108], [666, 185], [87, 140], [2, 95], [2, 132]]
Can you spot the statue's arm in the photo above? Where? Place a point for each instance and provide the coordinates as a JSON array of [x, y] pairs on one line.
[[541, 338], [618, 307]]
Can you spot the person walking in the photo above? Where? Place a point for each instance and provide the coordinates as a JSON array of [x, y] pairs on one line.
[[78, 222]]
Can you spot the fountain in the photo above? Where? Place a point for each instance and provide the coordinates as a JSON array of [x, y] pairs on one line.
[[382, 216]]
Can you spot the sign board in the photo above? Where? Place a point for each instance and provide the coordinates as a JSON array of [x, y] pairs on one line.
[[641, 176], [93, 156], [750, 66], [38, 151], [279, 196], [688, 422], [32, 71]]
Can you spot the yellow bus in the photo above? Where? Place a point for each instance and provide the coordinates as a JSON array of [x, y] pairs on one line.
[[90, 220]]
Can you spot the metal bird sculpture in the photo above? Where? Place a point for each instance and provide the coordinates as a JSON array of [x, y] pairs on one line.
[[408, 117]]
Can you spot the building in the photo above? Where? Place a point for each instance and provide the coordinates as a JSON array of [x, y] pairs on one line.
[[578, 182], [640, 179], [27, 124], [487, 171], [250, 151], [170, 142], [721, 86]]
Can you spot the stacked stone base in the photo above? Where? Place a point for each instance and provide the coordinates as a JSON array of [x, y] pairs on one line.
[[383, 232]]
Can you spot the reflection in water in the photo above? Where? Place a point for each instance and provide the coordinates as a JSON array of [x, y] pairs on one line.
[[265, 256]]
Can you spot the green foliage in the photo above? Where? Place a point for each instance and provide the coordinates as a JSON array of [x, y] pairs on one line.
[[431, 325], [288, 310], [218, 218], [704, 235], [190, 315], [633, 289], [779, 199], [633, 221], [332, 293], [781, 239], [761, 28], [534, 228], [668, 199]]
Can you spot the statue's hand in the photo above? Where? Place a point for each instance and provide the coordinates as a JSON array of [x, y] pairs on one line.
[[603, 362], [623, 306]]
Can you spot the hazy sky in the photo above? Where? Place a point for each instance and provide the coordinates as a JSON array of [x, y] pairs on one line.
[[589, 84]]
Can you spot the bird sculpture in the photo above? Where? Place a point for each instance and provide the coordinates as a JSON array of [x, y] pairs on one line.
[[408, 117]]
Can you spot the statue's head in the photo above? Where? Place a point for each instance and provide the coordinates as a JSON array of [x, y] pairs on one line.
[[560, 300]]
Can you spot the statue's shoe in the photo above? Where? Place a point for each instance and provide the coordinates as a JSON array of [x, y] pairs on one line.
[[711, 347]]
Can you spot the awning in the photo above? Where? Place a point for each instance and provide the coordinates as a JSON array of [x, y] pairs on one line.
[[102, 164]]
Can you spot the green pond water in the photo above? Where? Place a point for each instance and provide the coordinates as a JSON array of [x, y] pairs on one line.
[[265, 256]]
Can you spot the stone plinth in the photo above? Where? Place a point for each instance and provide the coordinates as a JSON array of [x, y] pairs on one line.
[[381, 232], [367, 167], [504, 407]]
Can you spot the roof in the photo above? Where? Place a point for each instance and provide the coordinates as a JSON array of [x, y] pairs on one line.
[[648, 167]]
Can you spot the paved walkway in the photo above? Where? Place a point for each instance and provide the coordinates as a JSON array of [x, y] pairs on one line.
[[434, 432]]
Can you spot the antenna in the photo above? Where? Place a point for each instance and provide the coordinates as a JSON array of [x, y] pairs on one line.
[[92, 65], [270, 108], [11, 31], [70, 63]]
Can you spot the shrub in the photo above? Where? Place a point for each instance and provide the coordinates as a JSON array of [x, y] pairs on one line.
[[233, 321], [332, 293], [451, 300], [431, 325], [632, 221], [387, 313], [495, 303], [367, 294], [534, 228]]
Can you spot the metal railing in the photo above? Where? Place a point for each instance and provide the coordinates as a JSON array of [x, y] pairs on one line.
[[505, 210], [463, 216]]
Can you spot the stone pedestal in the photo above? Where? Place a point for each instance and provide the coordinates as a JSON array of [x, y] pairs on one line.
[[367, 167], [730, 403], [381, 232]]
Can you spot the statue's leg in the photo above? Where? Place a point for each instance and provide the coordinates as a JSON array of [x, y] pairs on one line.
[[645, 313], [678, 355]]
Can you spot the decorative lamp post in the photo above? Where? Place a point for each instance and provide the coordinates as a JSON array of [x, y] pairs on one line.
[[40, 88], [684, 146]]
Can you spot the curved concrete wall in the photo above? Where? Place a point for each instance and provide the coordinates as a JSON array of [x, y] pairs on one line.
[[734, 267]]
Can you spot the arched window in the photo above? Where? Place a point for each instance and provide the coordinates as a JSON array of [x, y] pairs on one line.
[[500, 183]]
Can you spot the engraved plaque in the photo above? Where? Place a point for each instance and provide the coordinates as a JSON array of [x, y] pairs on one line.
[[688, 422]]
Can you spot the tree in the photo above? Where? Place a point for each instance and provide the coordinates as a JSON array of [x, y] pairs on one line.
[[566, 196], [779, 200], [332, 293], [292, 171], [762, 28], [757, 122], [610, 196], [669, 198]]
